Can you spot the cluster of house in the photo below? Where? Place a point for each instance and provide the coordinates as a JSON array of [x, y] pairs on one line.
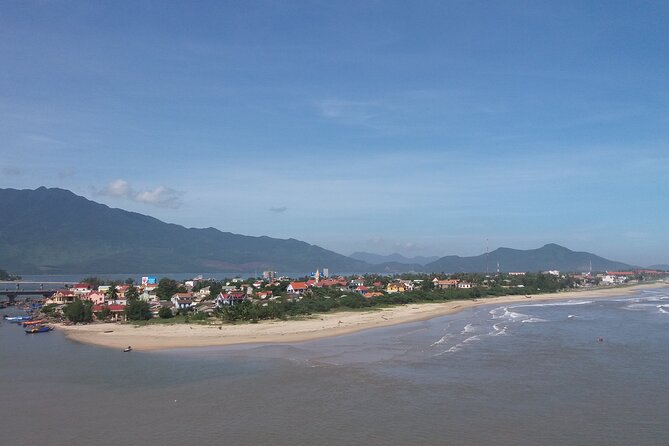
[[615, 277], [232, 293], [102, 300], [608, 278], [376, 289], [237, 290]]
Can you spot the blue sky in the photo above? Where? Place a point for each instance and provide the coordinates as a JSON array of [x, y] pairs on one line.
[[423, 128]]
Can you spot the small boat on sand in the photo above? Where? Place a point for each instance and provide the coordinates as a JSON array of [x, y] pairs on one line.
[[38, 329]]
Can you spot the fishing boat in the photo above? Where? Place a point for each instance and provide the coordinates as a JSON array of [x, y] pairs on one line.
[[129, 349], [34, 322], [17, 319], [39, 329]]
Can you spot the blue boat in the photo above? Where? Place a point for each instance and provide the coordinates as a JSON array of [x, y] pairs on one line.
[[40, 329]]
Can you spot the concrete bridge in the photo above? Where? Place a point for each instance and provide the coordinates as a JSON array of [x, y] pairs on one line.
[[12, 290]]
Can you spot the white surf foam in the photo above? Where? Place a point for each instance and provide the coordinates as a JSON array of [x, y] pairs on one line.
[[498, 330], [504, 313], [639, 306], [443, 339], [459, 346], [556, 304], [533, 320], [472, 339]]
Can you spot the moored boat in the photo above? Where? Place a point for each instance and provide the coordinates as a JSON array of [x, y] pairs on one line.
[[39, 329], [35, 322], [17, 319]]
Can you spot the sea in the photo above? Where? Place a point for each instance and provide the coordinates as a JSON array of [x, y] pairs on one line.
[[575, 372]]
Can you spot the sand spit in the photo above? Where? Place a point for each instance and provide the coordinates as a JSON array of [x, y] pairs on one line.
[[160, 337]]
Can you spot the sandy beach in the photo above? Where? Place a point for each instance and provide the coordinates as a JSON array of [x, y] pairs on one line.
[[160, 337]]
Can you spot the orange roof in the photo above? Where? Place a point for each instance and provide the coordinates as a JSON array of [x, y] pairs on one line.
[[374, 294], [298, 285], [112, 307], [448, 282]]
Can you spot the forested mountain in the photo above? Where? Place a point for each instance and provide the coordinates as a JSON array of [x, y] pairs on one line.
[[56, 231], [548, 257]]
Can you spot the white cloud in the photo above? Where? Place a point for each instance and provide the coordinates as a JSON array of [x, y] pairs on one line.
[[160, 196], [117, 188]]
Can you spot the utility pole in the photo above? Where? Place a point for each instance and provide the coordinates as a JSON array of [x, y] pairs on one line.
[[486, 257]]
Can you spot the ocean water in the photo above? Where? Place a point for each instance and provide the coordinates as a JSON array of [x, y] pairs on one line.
[[532, 373]]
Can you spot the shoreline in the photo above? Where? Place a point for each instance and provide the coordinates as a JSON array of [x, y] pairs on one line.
[[318, 326]]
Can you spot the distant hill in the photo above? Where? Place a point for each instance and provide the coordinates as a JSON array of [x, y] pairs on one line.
[[661, 267], [55, 231], [548, 257], [376, 259]]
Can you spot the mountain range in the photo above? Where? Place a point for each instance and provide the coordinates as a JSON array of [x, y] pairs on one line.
[[54, 231], [548, 257]]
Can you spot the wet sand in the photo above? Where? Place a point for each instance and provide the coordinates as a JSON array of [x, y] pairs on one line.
[[170, 336]]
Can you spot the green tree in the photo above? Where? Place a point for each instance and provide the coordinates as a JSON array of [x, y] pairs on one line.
[[112, 294], [132, 293], [103, 314], [138, 310], [93, 281], [49, 310], [167, 288], [215, 289], [165, 313], [79, 311]]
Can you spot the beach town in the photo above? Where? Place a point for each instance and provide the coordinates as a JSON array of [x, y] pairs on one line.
[[163, 314]]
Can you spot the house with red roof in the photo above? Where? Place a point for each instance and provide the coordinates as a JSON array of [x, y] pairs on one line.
[[117, 311], [81, 289], [230, 298], [183, 301], [264, 295], [362, 290], [96, 297], [297, 288], [61, 297], [445, 284]]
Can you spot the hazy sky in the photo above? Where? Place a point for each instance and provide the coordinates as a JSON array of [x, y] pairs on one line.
[[423, 128]]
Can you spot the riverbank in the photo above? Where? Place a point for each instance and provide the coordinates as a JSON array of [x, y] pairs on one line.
[[160, 337]]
